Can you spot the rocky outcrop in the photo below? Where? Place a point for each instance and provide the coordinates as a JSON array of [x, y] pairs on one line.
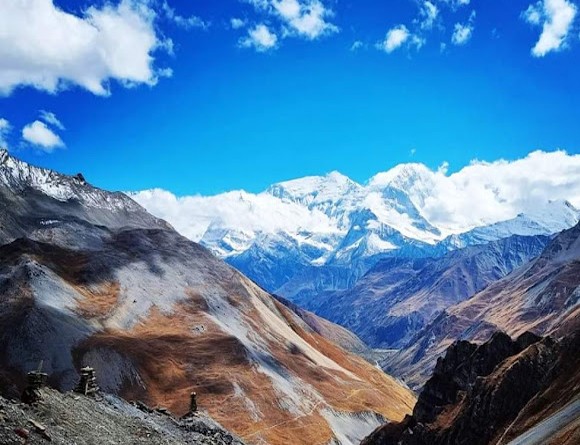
[[63, 419], [491, 393]]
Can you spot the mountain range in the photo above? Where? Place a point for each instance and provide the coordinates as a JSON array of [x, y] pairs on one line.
[[304, 237], [88, 277], [398, 296], [541, 296]]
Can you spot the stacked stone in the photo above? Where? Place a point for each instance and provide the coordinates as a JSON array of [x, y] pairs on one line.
[[35, 381], [88, 384], [192, 406]]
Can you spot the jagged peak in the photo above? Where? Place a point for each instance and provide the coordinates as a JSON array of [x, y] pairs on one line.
[[401, 175], [18, 175]]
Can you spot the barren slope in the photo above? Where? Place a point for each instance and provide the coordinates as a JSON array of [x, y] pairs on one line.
[[158, 316]]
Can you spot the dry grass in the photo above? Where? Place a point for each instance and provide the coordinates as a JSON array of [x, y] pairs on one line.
[[98, 303], [174, 359]]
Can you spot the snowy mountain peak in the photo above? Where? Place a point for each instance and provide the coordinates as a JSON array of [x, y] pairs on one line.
[[63, 201], [3, 155], [19, 175], [401, 176], [311, 189]]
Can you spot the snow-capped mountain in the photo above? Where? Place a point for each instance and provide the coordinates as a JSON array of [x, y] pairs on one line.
[[320, 233]]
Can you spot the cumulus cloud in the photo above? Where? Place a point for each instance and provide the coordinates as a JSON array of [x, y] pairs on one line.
[[38, 134], [304, 18], [488, 192], [237, 23], [395, 38], [260, 38], [5, 128], [357, 44], [428, 15], [462, 32], [244, 212], [455, 4], [181, 21], [49, 49], [556, 18]]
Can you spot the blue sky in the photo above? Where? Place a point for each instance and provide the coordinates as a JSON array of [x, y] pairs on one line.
[[235, 114]]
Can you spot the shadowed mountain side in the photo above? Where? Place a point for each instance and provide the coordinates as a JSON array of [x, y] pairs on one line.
[[493, 393]]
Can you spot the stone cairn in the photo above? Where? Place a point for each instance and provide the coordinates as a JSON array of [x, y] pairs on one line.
[[193, 403], [35, 381], [192, 406], [88, 384]]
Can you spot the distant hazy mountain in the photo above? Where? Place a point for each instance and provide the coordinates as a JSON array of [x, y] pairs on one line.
[[89, 277], [542, 296], [399, 296], [303, 237]]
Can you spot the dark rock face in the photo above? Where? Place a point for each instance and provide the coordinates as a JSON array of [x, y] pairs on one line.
[[458, 371], [477, 393]]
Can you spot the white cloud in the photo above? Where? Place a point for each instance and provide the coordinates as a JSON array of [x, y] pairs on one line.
[[49, 49], [357, 44], [487, 192], [183, 22], [5, 128], [478, 194], [237, 23], [556, 18], [455, 4], [395, 38], [50, 118], [462, 32], [260, 38], [428, 15], [304, 18], [244, 212], [38, 134]]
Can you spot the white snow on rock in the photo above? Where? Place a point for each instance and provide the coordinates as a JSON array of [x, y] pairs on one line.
[[410, 202]]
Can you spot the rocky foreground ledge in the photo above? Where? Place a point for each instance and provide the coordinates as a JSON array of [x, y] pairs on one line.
[[68, 418]]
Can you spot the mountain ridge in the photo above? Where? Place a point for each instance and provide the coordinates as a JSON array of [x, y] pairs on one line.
[[333, 229]]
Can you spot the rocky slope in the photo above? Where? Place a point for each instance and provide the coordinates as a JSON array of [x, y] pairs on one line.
[[89, 277], [494, 393], [69, 418], [399, 296], [541, 296]]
